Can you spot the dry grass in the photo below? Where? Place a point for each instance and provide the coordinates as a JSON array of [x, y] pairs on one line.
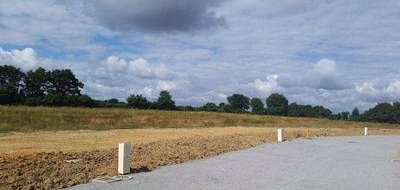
[[30, 119]]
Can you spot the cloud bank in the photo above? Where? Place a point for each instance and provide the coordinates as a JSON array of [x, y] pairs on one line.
[[156, 16], [340, 54]]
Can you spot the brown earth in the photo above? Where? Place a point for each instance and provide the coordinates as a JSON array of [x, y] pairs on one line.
[[62, 159], [88, 140]]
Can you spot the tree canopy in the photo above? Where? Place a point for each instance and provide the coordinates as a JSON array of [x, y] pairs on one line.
[[239, 102], [138, 101], [209, 107], [257, 106], [355, 114], [11, 84], [36, 82], [41, 87], [383, 112], [64, 82], [165, 102], [277, 104], [297, 110]]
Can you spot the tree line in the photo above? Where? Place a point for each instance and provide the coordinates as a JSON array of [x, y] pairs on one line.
[[41, 87], [61, 88]]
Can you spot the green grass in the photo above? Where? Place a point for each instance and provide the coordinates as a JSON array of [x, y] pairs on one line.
[[29, 119]]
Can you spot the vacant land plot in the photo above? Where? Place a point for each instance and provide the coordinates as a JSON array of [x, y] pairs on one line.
[[38, 160], [47, 148]]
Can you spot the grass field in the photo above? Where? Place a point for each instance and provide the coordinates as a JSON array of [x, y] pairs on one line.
[[30, 119]]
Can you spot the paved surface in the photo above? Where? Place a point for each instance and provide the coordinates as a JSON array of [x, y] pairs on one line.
[[353, 163]]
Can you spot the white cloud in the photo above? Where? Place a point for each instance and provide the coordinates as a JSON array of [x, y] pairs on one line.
[[166, 85], [102, 91], [26, 59], [325, 67], [139, 68], [147, 91], [177, 87], [393, 90], [367, 89], [180, 86], [323, 75], [374, 92], [265, 87], [116, 64], [142, 68]]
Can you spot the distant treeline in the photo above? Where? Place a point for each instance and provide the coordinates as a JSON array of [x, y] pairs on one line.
[[61, 88]]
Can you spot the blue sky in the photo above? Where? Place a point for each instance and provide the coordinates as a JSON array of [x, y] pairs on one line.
[[336, 53]]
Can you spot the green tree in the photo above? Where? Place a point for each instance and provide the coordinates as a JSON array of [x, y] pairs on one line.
[[298, 110], [396, 112], [63, 89], [113, 101], [257, 106], [58, 99], [64, 82], [165, 101], [209, 107], [345, 115], [320, 111], [86, 101], [138, 101], [277, 104], [54, 99], [239, 102], [355, 114], [36, 83], [337, 116], [11, 84], [222, 107], [35, 87], [382, 112], [294, 110], [308, 110]]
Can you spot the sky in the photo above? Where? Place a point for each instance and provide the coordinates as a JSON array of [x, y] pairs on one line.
[[337, 53]]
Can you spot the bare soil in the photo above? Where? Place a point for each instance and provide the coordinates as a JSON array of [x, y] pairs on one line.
[[89, 140], [64, 159]]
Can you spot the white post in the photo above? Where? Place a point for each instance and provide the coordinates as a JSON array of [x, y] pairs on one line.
[[280, 135], [365, 131], [124, 156]]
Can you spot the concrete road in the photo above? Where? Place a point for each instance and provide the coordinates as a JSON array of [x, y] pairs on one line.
[[353, 163]]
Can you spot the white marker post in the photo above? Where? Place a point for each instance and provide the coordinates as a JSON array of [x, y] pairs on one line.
[[365, 131], [280, 135], [124, 156]]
